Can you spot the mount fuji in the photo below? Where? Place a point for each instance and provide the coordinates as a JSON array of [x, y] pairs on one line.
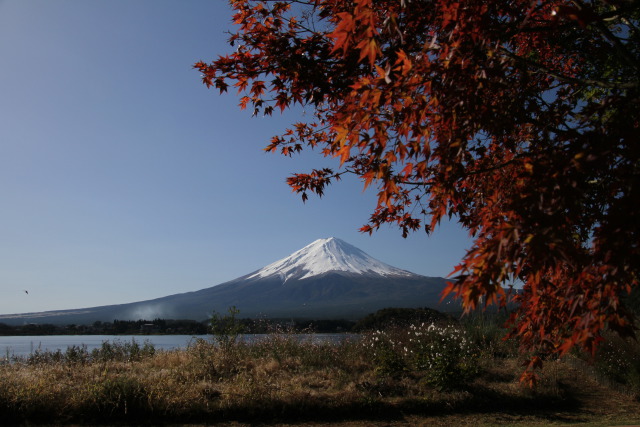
[[326, 256], [327, 279]]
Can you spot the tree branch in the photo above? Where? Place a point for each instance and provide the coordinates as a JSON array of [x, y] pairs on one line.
[[564, 78]]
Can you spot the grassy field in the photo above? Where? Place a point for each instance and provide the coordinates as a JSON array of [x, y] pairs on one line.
[[419, 375]]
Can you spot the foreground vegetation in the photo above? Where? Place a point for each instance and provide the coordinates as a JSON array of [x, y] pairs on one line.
[[437, 373]]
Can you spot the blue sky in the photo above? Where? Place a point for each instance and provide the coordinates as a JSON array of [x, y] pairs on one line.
[[122, 178]]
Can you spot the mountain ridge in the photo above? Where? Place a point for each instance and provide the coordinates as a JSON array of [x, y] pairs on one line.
[[328, 278]]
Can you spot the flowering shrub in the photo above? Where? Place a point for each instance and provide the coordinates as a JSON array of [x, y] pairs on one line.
[[442, 355], [619, 359], [387, 353]]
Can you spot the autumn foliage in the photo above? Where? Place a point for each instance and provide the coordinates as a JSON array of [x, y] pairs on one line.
[[520, 119]]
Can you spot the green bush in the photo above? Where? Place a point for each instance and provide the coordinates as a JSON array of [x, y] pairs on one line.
[[128, 351], [77, 355], [487, 333], [387, 353], [619, 359], [442, 356], [226, 328]]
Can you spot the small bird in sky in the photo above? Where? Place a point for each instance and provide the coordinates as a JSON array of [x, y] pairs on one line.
[[26, 291]]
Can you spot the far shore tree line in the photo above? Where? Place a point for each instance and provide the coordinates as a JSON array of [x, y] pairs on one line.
[[381, 319], [117, 327]]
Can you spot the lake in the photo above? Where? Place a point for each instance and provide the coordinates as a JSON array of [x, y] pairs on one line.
[[26, 345]]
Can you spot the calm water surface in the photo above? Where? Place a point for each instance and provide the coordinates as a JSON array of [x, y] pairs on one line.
[[24, 346]]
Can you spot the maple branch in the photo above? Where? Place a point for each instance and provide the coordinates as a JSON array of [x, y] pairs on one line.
[[608, 35], [561, 162], [564, 78], [464, 175], [416, 183]]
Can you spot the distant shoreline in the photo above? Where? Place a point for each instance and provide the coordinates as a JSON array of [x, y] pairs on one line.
[[160, 327]]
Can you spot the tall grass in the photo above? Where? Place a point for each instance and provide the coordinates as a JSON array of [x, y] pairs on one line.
[[616, 363], [435, 368]]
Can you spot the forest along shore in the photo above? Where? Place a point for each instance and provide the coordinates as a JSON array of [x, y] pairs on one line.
[[175, 327]]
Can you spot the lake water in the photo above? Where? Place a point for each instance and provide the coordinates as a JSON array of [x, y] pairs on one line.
[[24, 346]]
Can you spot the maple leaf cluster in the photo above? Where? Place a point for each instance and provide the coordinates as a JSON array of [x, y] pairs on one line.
[[519, 119]]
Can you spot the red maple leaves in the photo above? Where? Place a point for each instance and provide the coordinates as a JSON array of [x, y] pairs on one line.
[[519, 119]]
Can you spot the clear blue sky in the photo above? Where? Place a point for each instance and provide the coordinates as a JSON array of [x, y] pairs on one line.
[[122, 178]]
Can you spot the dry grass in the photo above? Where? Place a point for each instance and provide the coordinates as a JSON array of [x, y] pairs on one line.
[[280, 380]]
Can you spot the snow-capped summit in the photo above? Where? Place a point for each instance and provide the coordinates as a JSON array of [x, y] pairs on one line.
[[328, 279], [327, 255]]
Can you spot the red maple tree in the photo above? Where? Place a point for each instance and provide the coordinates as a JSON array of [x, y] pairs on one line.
[[520, 119]]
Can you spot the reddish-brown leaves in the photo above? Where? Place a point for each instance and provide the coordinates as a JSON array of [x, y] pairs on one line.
[[518, 119]]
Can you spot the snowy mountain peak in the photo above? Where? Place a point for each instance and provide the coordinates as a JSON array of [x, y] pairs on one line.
[[325, 255]]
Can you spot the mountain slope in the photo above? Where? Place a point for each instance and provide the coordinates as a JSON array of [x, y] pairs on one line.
[[327, 279]]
